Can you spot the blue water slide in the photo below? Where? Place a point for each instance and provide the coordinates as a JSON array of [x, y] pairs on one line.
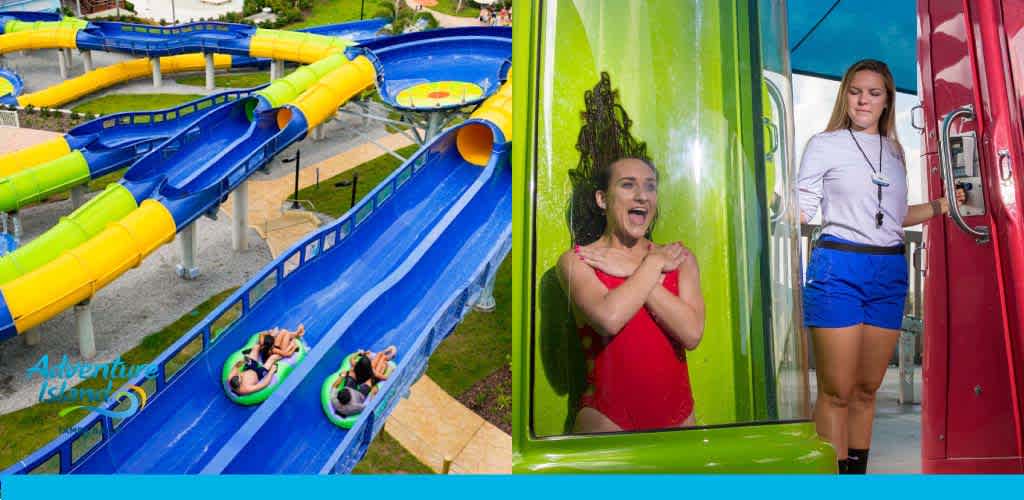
[[232, 148], [481, 56], [357, 31], [25, 16], [17, 86], [414, 310], [189, 419], [116, 140], [192, 147], [159, 41]]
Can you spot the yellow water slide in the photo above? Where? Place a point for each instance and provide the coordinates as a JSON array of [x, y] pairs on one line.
[[12, 163], [80, 272], [476, 140], [108, 76]]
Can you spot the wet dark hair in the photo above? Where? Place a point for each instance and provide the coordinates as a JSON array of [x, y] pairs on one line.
[[363, 368], [266, 346], [235, 382], [344, 396], [603, 140]]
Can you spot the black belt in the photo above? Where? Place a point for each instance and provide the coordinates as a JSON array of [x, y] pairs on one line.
[[835, 245]]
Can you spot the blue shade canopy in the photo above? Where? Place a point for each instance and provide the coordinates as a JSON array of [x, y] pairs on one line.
[[827, 36]]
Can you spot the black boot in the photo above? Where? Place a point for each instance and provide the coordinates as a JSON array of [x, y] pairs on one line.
[[858, 461], [844, 466]]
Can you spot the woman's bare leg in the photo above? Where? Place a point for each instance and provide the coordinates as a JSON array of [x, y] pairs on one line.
[[835, 353], [591, 420], [876, 350]]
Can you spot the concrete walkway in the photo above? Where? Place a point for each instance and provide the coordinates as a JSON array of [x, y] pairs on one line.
[[445, 20], [13, 139], [431, 424]]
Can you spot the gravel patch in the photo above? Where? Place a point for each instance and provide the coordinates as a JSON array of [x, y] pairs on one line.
[[141, 302]]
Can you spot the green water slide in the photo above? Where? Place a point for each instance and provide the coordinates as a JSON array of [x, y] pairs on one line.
[[111, 205], [38, 182]]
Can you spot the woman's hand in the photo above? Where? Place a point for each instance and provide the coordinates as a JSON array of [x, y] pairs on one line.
[[670, 256], [961, 197], [611, 261]]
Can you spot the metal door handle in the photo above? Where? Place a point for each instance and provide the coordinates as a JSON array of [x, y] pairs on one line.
[[1005, 164], [980, 233], [780, 144]]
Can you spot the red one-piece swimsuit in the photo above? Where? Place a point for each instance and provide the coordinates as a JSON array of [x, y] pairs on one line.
[[638, 377]]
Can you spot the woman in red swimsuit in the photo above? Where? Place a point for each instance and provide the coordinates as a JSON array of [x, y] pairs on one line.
[[638, 305]]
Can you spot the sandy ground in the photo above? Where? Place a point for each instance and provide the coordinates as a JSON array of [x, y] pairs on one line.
[[141, 302]]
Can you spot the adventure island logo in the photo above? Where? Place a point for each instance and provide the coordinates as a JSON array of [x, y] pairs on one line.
[[58, 380]]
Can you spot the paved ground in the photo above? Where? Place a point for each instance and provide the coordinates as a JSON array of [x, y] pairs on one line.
[[445, 20], [896, 442]]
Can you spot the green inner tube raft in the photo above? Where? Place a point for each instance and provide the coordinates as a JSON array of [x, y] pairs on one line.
[[284, 368], [326, 393]]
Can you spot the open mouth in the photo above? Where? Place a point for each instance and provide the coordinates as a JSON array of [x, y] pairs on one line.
[[638, 216]]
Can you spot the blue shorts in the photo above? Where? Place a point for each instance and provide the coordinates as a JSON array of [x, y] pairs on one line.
[[848, 288]]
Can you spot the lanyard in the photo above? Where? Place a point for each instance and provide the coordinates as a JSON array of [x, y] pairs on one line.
[[878, 215]]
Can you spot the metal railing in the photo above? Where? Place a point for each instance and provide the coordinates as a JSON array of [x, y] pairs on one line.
[[413, 365], [130, 118], [9, 119]]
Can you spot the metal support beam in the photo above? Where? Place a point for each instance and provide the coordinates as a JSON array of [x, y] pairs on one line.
[[78, 196], [87, 60], [86, 335], [62, 63], [32, 337], [187, 268], [211, 81], [434, 122], [485, 301], [158, 76], [276, 69], [240, 217]]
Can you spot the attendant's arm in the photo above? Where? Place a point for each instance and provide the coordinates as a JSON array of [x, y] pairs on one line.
[[682, 316], [607, 311], [917, 214], [810, 179]]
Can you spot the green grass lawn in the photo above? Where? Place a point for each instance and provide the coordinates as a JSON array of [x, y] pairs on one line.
[[479, 345], [118, 103], [334, 201], [386, 456], [469, 9], [482, 343], [337, 11], [229, 80]]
